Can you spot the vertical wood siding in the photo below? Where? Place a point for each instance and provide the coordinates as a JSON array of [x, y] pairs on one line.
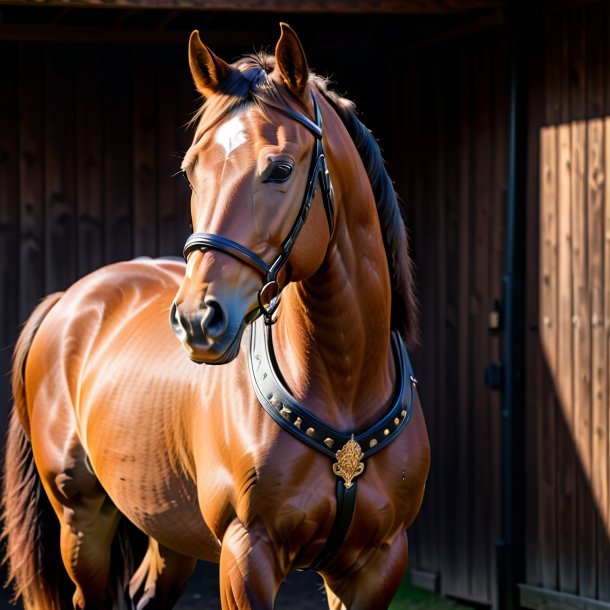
[[89, 139], [568, 396], [453, 177]]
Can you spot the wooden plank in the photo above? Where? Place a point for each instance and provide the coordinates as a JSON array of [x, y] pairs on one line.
[[548, 323], [167, 157], [460, 480], [187, 104], [429, 193], [597, 476], [453, 563], [547, 407], [581, 423], [89, 159], [144, 137], [497, 220], [116, 85], [480, 303], [439, 358], [534, 359], [566, 500], [298, 6], [60, 197], [432, 166], [603, 549], [31, 178], [604, 422], [9, 217], [548, 216]]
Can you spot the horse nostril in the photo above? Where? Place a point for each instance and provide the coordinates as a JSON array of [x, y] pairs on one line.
[[176, 319], [214, 320]]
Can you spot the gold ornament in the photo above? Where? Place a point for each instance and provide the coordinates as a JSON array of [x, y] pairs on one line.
[[348, 463]]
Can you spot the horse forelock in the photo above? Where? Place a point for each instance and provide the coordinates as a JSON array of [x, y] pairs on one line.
[[249, 83]]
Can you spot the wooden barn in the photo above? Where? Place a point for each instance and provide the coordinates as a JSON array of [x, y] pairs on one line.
[[494, 119]]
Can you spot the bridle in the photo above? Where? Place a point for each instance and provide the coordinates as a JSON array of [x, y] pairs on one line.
[[269, 294]]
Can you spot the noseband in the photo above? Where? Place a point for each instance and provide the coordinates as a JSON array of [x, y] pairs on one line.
[[269, 294]]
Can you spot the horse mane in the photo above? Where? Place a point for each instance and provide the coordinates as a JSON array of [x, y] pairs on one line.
[[248, 83]]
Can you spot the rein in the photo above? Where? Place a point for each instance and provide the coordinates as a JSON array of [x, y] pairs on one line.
[[269, 294], [350, 450]]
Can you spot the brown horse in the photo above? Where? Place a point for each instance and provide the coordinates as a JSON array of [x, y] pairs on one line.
[[120, 429]]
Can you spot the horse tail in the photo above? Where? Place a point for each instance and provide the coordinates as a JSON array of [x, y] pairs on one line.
[[31, 529]]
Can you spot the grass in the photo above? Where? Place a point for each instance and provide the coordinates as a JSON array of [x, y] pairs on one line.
[[412, 598]]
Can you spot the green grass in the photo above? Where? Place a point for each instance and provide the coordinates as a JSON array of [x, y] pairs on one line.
[[412, 598]]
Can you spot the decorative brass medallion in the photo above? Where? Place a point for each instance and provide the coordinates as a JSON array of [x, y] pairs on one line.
[[348, 463]]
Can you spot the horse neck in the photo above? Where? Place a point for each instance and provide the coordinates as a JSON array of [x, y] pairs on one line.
[[332, 338]]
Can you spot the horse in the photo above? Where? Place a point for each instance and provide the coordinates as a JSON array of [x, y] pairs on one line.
[[228, 455]]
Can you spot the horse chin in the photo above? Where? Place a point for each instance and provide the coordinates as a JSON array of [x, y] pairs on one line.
[[220, 352]]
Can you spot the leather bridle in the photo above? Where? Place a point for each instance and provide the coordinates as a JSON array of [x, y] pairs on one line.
[[269, 294]]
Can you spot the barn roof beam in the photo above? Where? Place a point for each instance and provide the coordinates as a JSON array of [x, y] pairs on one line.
[[109, 35], [291, 6]]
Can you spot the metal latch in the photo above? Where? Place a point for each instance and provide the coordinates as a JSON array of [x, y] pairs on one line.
[[494, 376], [495, 320]]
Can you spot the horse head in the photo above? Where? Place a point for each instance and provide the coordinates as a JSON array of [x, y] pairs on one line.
[[254, 167]]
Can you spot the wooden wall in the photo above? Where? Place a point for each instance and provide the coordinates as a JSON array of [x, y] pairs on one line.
[[91, 134], [89, 139], [452, 175], [568, 528]]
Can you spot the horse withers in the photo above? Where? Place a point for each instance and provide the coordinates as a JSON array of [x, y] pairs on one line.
[[306, 448]]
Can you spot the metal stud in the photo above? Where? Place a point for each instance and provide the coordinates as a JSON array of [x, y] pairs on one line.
[[373, 442], [297, 422], [310, 431], [329, 442], [386, 432], [285, 412], [403, 413], [414, 381], [396, 421]]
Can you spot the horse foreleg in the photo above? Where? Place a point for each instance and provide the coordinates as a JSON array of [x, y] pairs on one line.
[[371, 586], [250, 573], [160, 579]]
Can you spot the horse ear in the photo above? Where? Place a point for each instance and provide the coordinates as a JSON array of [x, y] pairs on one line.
[[208, 70], [291, 62]]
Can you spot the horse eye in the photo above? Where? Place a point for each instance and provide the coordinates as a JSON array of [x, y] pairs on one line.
[[280, 172]]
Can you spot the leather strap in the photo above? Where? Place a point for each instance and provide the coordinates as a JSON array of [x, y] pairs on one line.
[[346, 503], [279, 403], [210, 241], [299, 117]]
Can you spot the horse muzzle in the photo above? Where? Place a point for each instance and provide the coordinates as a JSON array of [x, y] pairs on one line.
[[206, 333]]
